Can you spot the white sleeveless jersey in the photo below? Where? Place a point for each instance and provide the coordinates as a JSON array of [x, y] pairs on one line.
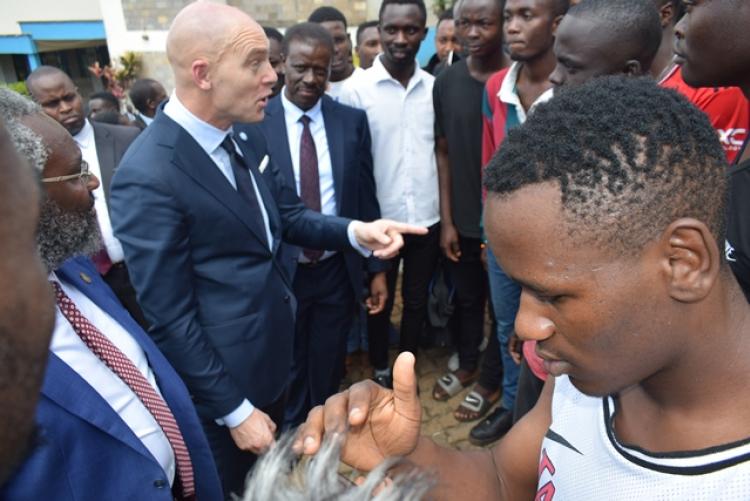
[[581, 460]]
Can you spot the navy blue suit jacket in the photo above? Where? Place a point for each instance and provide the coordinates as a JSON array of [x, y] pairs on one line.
[[219, 301], [84, 450], [349, 146]]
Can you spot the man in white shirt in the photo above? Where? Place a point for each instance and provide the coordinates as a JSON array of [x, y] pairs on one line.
[[102, 146], [397, 96], [115, 420]]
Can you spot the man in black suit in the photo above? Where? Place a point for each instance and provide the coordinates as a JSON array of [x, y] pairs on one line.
[[102, 146], [203, 239], [335, 180], [146, 94]]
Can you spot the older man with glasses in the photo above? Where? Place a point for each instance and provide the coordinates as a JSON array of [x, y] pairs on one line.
[[115, 421], [102, 146]]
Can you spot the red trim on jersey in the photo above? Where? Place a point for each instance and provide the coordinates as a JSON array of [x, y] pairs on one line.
[[726, 107]]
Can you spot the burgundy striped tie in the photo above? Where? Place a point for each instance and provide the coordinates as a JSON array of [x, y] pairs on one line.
[[121, 365], [309, 179]]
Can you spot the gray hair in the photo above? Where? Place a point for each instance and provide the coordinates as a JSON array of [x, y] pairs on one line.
[[279, 476], [13, 108]]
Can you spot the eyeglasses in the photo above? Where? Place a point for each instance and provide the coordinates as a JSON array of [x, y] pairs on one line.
[[84, 175]]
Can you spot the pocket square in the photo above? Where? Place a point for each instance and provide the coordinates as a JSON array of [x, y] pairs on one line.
[[263, 164]]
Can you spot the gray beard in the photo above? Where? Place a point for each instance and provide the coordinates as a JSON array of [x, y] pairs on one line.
[[64, 234]]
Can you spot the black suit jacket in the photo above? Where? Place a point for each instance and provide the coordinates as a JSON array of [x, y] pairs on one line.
[[112, 141], [219, 301], [349, 146]]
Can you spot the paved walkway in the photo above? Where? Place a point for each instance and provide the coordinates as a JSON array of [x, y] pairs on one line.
[[437, 417]]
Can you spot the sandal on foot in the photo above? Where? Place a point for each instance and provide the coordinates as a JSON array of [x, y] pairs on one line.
[[449, 385], [474, 406]]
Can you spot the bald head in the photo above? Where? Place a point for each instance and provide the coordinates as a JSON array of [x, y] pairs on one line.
[[219, 56], [206, 31], [58, 96]]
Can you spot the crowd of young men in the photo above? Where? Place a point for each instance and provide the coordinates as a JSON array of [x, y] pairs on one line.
[[569, 163]]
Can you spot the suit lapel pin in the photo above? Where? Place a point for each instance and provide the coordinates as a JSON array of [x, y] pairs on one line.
[[243, 136], [85, 278], [263, 164]]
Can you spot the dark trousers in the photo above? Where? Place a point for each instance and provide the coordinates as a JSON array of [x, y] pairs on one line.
[[118, 280], [233, 464], [529, 389], [420, 256], [470, 282], [491, 368], [325, 311]]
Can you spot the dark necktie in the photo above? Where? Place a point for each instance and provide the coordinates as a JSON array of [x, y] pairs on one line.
[[126, 370], [309, 180], [245, 185]]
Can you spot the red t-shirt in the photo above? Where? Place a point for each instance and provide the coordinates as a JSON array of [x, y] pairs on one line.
[[726, 107]]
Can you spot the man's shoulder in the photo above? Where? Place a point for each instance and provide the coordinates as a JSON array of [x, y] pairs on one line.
[[496, 81], [153, 145], [459, 69], [127, 132], [330, 105]]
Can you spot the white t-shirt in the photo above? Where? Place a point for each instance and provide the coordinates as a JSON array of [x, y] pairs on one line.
[[581, 460]]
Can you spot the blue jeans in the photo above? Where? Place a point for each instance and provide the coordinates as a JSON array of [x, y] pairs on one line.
[[505, 295]]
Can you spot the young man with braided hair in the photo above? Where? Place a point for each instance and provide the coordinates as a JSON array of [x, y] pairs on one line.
[[615, 232]]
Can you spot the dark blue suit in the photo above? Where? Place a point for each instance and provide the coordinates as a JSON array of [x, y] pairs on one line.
[[219, 300], [326, 292], [84, 450]]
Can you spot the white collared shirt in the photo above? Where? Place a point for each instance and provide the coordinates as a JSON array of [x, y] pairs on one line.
[[146, 120], [509, 94], [402, 125], [86, 142], [294, 128], [67, 345], [336, 88], [210, 138]]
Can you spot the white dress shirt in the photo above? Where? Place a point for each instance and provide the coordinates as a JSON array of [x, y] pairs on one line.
[[67, 345], [294, 128], [336, 88], [86, 142], [402, 125]]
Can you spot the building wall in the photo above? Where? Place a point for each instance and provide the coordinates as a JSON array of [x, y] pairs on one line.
[[7, 71], [141, 25], [15, 11]]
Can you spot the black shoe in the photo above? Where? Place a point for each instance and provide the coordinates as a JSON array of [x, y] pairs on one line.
[[492, 428], [384, 381]]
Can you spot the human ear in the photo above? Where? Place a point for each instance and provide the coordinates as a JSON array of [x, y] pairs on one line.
[[666, 14], [633, 68], [556, 23], [199, 72], [691, 260]]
